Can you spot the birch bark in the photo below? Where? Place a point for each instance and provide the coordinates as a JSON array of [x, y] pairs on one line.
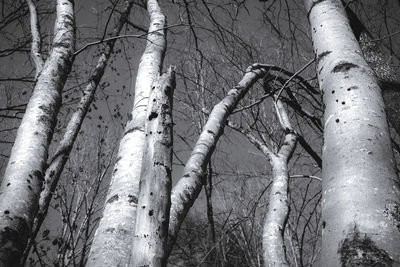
[[152, 217], [112, 243], [360, 186], [56, 166], [189, 186], [386, 73], [22, 182], [274, 251]]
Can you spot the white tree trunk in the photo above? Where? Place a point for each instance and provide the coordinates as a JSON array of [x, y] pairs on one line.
[[388, 77], [58, 161], [152, 217], [274, 251], [360, 187], [189, 186], [112, 243], [22, 182]]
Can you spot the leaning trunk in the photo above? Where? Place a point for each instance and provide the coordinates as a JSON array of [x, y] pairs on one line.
[[189, 185], [360, 187], [23, 177], [112, 243]]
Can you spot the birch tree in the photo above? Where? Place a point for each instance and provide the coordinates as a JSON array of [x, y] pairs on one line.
[[189, 185], [385, 71], [360, 186], [112, 243], [152, 218], [22, 181], [274, 251], [58, 161]]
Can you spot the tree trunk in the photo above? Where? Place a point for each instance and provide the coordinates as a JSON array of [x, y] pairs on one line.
[[56, 166], [152, 217], [360, 186], [278, 212], [386, 73], [23, 177], [112, 243], [189, 186], [211, 258], [274, 251]]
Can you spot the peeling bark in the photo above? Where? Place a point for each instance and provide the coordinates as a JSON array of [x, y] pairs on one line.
[[152, 217], [112, 243], [358, 165], [23, 177]]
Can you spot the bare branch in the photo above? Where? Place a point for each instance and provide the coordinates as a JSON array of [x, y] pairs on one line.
[[36, 39]]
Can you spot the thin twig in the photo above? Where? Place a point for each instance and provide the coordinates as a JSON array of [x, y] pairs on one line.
[[122, 36], [306, 176], [291, 78]]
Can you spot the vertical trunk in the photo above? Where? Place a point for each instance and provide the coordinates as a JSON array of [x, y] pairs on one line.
[[276, 217], [360, 186], [22, 182], [152, 217], [56, 166], [189, 186], [274, 251], [112, 243]]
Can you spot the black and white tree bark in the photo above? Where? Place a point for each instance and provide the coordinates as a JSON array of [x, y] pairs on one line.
[[274, 251], [360, 186], [22, 182], [112, 243], [386, 73], [189, 185], [58, 161], [152, 217]]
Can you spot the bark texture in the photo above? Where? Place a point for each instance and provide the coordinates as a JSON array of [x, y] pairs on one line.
[[189, 185], [387, 74], [360, 187], [112, 243], [22, 182], [152, 217], [57, 163], [274, 251]]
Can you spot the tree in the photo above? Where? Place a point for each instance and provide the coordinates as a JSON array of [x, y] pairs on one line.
[[266, 202], [152, 218], [360, 186], [112, 242], [21, 185]]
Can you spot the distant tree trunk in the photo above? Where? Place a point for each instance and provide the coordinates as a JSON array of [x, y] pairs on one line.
[[274, 250], [22, 182], [360, 187], [211, 259], [56, 165], [152, 218], [112, 243]]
